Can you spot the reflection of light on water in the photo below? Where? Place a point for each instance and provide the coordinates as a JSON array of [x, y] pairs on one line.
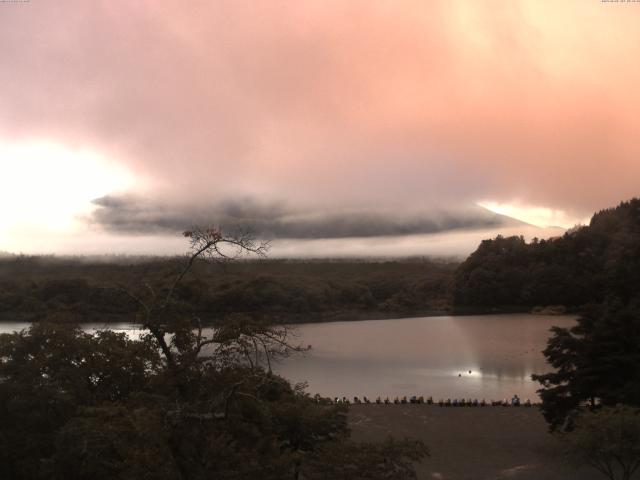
[[475, 374], [485, 357], [484, 375]]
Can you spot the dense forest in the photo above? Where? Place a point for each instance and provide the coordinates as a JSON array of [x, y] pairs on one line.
[[177, 403], [34, 288], [595, 271], [587, 264]]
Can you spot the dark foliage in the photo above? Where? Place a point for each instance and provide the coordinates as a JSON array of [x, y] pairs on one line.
[[48, 373], [597, 362], [594, 270], [180, 403], [585, 265], [81, 406], [31, 288], [607, 440]]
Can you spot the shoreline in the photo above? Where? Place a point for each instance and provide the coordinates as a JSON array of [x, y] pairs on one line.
[[340, 316]]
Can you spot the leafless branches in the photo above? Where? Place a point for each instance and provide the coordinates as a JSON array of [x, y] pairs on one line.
[[255, 344], [210, 244], [184, 341]]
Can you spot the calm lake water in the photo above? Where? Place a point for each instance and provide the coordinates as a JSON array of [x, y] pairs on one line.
[[486, 356], [483, 356]]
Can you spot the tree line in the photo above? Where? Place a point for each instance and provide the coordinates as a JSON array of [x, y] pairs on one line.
[[591, 398], [587, 264], [179, 403], [282, 290]]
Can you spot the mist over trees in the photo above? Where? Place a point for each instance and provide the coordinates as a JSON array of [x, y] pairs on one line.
[[181, 402], [167, 406], [587, 264]]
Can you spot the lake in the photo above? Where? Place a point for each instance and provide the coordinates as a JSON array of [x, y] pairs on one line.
[[476, 356], [483, 356]]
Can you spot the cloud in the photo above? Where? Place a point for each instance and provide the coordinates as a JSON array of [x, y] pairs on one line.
[[357, 105], [129, 215]]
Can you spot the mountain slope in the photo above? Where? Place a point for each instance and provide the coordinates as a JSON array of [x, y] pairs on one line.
[[584, 265]]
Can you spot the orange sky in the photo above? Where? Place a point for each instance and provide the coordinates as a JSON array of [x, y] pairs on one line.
[[332, 105]]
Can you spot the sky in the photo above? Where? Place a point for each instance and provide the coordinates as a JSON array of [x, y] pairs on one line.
[[333, 127]]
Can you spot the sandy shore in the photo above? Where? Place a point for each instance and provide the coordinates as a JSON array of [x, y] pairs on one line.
[[468, 443]]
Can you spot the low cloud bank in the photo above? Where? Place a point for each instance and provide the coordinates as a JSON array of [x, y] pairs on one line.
[[136, 216]]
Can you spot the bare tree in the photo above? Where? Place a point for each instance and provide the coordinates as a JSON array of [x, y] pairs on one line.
[[184, 341]]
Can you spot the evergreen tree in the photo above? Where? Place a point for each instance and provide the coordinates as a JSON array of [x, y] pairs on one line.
[[596, 362]]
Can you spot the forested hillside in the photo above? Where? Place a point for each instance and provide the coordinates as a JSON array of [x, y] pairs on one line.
[[32, 288], [586, 265]]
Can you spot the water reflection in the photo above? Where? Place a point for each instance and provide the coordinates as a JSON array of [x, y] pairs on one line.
[[490, 356], [487, 356]]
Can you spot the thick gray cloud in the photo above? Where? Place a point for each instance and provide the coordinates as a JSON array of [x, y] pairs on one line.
[[131, 215]]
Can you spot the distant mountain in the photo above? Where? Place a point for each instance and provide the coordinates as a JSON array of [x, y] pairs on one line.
[[481, 212], [584, 265], [377, 223]]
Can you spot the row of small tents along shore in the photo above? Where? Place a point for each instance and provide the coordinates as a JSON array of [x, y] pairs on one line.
[[462, 402]]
